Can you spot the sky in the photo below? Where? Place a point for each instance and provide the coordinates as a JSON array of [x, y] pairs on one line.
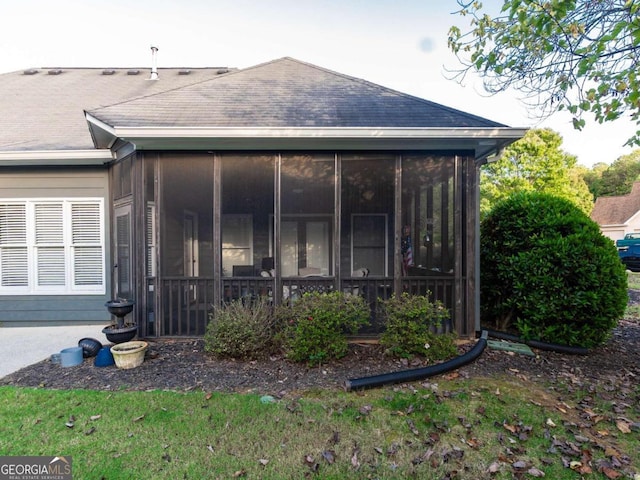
[[400, 44]]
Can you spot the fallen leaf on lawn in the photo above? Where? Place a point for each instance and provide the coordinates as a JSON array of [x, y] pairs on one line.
[[69, 424], [354, 458], [166, 457], [497, 391], [611, 452], [534, 472], [412, 427], [366, 409], [550, 423], [519, 465], [93, 418], [210, 448], [494, 467], [378, 450], [239, 473], [208, 396], [623, 426], [329, 456], [137, 419], [473, 443], [90, 431], [575, 465], [611, 473], [263, 462], [511, 428]]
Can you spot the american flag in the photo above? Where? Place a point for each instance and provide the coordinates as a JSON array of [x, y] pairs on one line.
[[407, 251]]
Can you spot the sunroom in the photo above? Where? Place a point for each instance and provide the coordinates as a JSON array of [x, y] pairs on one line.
[[286, 178]]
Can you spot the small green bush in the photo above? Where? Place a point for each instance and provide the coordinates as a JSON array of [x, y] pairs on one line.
[[238, 330], [547, 272], [317, 324], [411, 322]]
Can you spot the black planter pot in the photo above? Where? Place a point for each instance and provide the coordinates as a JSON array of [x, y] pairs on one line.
[[120, 335]]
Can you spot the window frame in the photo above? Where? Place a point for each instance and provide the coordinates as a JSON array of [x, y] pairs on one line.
[[69, 247]]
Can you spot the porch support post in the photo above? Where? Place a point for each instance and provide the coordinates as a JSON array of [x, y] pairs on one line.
[[277, 179], [397, 228], [337, 219], [461, 237], [217, 230]]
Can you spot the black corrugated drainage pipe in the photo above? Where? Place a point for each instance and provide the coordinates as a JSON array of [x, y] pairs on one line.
[[419, 373], [552, 347]]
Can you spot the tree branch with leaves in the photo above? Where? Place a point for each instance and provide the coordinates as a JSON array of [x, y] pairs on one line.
[[578, 55]]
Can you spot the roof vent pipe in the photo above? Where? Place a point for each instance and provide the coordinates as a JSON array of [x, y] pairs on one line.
[[154, 63]]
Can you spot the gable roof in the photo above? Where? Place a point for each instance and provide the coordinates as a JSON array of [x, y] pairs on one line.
[[43, 109], [291, 104], [617, 210]]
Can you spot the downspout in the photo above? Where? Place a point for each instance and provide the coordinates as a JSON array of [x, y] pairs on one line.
[[418, 373]]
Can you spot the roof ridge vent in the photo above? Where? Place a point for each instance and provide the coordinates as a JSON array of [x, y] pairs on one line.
[[133, 72], [108, 71], [184, 71], [54, 71], [31, 71]]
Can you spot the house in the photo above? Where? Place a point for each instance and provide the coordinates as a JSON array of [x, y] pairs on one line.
[[618, 215], [188, 188]]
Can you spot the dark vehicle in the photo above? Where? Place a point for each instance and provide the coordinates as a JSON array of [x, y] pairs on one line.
[[631, 258]]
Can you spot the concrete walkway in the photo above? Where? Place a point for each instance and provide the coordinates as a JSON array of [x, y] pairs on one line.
[[23, 346]]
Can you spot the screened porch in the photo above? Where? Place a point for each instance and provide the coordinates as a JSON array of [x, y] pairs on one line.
[[199, 229]]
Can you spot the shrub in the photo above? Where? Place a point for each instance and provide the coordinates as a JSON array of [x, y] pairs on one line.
[[547, 271], [242, 331], [317, 324], [410, 323]]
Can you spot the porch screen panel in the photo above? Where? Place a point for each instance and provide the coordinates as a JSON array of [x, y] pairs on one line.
[[186, 192], [428, 213], [307, 202], [247, 204], [368, 183]]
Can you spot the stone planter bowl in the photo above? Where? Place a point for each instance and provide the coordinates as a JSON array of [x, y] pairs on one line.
[[129, 354]]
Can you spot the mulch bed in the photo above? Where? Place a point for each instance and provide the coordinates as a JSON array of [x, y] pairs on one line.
[[183, 365]]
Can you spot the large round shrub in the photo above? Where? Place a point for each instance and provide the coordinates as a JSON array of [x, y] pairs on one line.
[[548, 272]]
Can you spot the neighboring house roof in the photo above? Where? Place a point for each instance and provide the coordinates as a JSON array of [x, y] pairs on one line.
[[43, 109], [292, 103], [617, 210]]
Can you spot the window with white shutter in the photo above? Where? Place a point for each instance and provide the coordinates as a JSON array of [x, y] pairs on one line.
[[14, 265], [52, 247]]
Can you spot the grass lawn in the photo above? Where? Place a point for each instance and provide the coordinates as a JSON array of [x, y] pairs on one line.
[[458, 428]]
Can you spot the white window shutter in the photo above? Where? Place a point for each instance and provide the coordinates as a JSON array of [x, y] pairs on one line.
[[88, 266], [49, 244], [14, 255], [13, 224]]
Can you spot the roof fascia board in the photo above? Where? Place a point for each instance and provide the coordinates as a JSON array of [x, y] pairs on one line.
[[55, 158], [313, 132]]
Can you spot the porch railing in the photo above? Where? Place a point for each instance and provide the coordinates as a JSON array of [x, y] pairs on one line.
[[184, 303]]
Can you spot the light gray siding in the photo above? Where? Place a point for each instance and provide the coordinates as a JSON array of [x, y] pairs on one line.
[[24, 310]]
